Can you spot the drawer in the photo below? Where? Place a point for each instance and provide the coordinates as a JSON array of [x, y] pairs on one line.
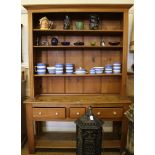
[[108, 112], [76, 112], [49, 113]]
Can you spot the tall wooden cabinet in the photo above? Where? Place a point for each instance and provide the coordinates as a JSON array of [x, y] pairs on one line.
[[66, 97]]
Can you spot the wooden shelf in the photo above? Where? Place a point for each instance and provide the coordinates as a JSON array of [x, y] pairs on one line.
[[61, 140], [86, 32], [57, 100], [76, 75], [79, 47]]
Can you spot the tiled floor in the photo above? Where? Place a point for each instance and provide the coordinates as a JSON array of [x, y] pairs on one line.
[[25, 152]]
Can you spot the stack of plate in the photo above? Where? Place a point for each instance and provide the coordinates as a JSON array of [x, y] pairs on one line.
[[99, 70], [59, 68], [40, 68], [51, 70], [92, 71], [108, 69], [69, 68], [80, 71], [117, 68]]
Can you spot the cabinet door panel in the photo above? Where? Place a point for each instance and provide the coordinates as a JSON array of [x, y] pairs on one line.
[[110, 56], [91, 59], [110, 84], [55, 56], [74, 85], [53, 85], [92, 85], [75, 57]]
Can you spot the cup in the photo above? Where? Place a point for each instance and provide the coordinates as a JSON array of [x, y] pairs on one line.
[[79, 25]]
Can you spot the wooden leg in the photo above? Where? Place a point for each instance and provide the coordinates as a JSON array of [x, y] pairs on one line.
[[124, 130], [30, 128], [117, 128], [38, 127]]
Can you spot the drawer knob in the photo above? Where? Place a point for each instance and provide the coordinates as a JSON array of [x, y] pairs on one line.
[[98, 113], [56, 113], [39, 113], [114, 113], [77, 113]]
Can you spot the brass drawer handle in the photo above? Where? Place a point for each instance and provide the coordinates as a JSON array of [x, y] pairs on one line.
[[98, 113], [114, 113], [77, 113], [56, 113], [39, 113]]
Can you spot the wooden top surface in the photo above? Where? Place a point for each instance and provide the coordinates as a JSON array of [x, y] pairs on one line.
[[75, 6], [78, 99]]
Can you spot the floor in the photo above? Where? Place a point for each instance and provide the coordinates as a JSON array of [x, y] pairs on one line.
[[24, 151]]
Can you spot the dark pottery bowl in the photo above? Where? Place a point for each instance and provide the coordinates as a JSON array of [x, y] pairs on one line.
[[114, 43], [78, 43], [65, 43]]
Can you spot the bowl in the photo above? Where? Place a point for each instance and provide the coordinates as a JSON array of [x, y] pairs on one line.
[[98, 68], [65, 43], [114, 43], [78, 43], [41, 71], [93, 43], [51, 70]]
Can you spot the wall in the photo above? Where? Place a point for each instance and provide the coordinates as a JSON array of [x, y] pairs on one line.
[[49, 126]]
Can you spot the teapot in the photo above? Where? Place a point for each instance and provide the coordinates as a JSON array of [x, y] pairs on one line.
[[54, 41]]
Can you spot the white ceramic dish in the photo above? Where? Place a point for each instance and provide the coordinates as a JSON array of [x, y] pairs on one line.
[[80, 72], [98, 67], [52, 67], [108, 72], [116, 67], [98, 72], [69, 67]]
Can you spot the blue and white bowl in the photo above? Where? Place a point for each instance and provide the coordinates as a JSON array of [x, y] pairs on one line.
[[69, 65], [116, 67], [92, 71], [51, 70], [108, 69], [116, 64], [108, 72], [40, 68], [98, 70], [41, 71], [116, 71], [108, 66], [41, 65], [59, 65], [80, 71], [69, 71], [58, 72], [69, 68], [59, 68]]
